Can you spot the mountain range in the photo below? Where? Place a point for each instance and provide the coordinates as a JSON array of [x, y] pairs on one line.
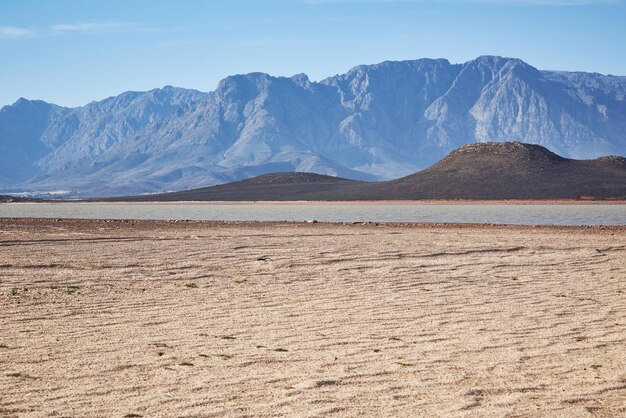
[[375, 122]]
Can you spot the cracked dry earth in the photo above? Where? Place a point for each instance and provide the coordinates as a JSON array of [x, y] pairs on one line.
[[118, 319]]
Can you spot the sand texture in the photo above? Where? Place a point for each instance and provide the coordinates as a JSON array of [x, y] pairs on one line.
[[114, 319]]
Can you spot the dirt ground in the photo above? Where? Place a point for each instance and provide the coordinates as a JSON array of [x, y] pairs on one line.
[[195, 319]]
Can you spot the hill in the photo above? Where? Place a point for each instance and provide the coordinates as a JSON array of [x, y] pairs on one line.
[[273, 186], [491, 170]]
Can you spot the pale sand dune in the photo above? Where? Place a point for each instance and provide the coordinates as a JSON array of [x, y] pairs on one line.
[[319, 319]]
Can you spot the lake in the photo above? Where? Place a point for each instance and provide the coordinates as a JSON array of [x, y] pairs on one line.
[[522, 214]]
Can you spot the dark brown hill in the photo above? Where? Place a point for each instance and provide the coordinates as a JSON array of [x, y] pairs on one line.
[[510, 170], [492, 170], [274, 186]]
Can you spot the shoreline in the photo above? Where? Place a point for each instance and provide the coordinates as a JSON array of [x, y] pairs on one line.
[[425, 202], [156, 223]]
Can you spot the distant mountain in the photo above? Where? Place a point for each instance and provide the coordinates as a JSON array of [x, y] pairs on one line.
[[375, 122], [490, 170], [17, 199]]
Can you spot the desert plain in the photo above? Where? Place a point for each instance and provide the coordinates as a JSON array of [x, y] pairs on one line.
[[196, 319]]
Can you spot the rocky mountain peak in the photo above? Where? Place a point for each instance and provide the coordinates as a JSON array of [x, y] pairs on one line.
[[512, 150]]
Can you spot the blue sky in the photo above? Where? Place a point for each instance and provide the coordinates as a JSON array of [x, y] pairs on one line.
[[70, 52]]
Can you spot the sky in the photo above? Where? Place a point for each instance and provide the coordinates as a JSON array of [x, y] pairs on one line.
[[71, 52]]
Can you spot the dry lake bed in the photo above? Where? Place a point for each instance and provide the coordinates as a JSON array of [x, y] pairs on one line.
[[195, 319]]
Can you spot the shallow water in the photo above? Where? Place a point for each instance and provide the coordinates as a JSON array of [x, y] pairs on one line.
[[527, 214]]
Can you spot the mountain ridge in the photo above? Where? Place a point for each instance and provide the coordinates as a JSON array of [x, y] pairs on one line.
[[374, 122]]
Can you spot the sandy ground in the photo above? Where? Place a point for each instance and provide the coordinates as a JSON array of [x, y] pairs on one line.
[[119, 319]]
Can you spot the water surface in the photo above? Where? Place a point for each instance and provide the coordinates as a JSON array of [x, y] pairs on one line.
[[525, 214]]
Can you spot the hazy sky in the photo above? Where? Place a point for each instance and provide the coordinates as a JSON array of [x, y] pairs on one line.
[[70, 52]]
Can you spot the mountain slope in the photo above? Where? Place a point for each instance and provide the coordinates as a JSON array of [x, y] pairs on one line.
[[492, 170], [374, 122], [23, 138]]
